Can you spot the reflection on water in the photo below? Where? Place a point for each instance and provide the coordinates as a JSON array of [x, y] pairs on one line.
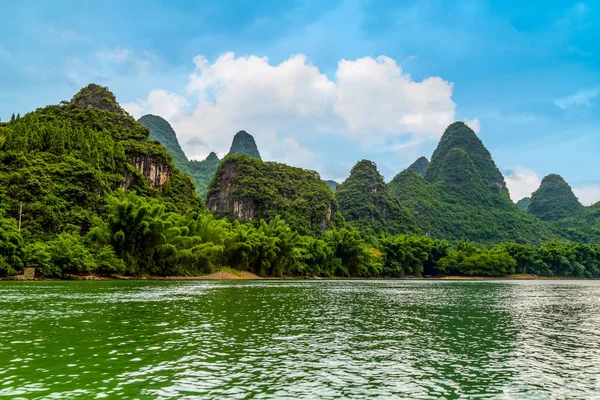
[[275, 339]]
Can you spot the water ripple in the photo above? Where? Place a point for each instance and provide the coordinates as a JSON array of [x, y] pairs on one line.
[[290, 340]]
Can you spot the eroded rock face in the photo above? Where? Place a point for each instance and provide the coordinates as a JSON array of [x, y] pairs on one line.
[[241, 182], [98, 97], [157, 172], [224, 200]]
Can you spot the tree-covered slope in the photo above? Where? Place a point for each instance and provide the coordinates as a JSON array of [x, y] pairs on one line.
[[61, 162], [463, 195], [554, 200], [202, 172], [243, 143], [366, 204], [459, 135], [249, 189], [419, 166], [162, 132]]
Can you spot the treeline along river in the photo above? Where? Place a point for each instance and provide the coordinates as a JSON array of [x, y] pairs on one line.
[[300, 339]]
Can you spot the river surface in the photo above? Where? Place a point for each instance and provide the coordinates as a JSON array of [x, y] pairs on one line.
[[300, 339]]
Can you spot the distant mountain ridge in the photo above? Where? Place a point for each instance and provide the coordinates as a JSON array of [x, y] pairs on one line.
[[459, 194], [201, 171]]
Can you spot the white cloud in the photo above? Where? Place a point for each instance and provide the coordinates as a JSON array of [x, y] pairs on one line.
[[283, 105], [588, 194], [522, 182], [473, 124], [581, 98], [159, 102], [377, 100]]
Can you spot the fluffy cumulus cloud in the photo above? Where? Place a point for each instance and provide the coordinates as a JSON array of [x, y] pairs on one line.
[[376, 100], [159, 102], [521, 182], [473, 124], [284, 105], [588, 194]]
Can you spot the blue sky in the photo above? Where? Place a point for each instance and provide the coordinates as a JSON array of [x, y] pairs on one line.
[[525, 75]]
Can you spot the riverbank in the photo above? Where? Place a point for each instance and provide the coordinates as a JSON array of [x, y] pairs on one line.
[[228, 274]]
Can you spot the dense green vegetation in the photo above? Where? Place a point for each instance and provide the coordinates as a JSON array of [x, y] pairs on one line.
[[419, 166], [84, 189], [243, 143], [554, 200], [463, 195], [250, 189], [366, 204], [201, 172], [162, 132]]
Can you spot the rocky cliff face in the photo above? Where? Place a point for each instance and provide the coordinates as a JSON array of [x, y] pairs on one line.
[[224, 200], [156, 171], [98, 97], [248, 189]]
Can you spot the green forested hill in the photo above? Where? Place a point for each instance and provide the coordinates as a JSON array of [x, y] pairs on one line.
[[201, 172], [84, 190], [59, 165], [162, 132], [419, 166], [556, 203], [366, 204], [250, 189], [463, 195], [554, 200], [243, 143]]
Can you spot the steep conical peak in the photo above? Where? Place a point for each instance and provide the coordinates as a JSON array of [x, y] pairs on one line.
[[554, 200], [358, 194], [364, 198], [162, 132], [243, 143], [460, 136], [419, 166], [212, 157], [99, 97]]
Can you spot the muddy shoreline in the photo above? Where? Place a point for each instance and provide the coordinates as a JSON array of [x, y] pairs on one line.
[[229, 274]]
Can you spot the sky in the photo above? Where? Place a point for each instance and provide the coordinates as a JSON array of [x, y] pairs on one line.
[[324, 84]]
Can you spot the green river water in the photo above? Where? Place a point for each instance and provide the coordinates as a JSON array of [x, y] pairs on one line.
[[300, 339]]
